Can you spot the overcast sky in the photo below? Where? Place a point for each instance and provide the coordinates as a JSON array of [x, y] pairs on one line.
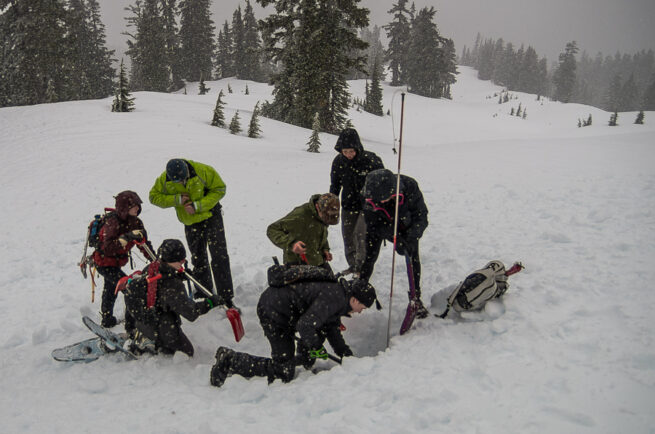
[[597, 25]]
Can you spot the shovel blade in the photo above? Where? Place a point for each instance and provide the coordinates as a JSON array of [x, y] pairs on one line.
[[410, 314], [235, 320]]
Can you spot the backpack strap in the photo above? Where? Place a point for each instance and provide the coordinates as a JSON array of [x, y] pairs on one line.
[[153, 276]]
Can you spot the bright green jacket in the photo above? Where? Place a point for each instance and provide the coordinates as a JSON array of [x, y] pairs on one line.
[[204, 187], [301, 224]]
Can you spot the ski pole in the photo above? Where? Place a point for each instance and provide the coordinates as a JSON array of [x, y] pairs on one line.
[[395, 217]]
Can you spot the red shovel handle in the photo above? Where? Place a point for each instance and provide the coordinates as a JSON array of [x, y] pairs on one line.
[[514, 269]]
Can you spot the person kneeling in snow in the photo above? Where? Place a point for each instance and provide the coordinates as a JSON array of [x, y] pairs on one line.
[[313, 309], [157, 298]]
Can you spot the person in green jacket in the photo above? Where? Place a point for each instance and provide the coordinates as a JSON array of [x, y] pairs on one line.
[[194, 190], [302, 234]]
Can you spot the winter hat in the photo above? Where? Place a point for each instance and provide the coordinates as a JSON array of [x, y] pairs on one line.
[[126, 200], [380, 185], [171, 251], [328, 208], [363, 291], [177, 170], [348, 139]]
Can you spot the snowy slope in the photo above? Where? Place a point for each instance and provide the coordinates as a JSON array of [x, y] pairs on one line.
[[569, 349]]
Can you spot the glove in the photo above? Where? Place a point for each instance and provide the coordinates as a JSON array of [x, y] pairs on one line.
[[319, 353], [404, 247], [344, 352], [135, 235], [214, 301]]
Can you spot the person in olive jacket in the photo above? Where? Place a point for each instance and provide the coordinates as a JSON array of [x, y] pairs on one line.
[[161, 323], [380, 197], [302, 234], [347, 177], [120, 232], [313, 310], [194, 190]]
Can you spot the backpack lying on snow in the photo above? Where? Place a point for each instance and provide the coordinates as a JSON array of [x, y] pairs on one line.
[[281, 275], [481, 286]]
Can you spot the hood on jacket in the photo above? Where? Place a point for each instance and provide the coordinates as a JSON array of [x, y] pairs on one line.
[[126, 200], [379, 185], [349, 139]]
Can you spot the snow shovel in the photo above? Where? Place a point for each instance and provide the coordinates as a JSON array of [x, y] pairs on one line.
[[232, 313], [410, 314]]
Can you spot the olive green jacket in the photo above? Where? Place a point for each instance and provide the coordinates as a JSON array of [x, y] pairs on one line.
[[204, 187], [301, 224]]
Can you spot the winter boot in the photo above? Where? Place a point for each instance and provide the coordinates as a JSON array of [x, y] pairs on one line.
[[421, 311], [221, 369], [108, 320]]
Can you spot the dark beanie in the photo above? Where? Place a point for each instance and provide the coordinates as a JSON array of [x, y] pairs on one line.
[[177, 170], [171, 251], [363, 291]]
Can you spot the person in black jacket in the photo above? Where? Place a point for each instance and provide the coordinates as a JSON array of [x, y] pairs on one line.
[[380, 197], [161, 322], [349, 170], [313, 309]]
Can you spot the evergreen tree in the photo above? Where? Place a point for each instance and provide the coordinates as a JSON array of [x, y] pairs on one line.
[[219, 117], [238, 46], [224, 63], [640, 118], [398, 33], [314, 140], [374, 92], [196, 39], [428, 68], [629, 95], [123, 101], [247, 92], [649, 96], [251, 55], [147, 47], [229, 88], [312, 41], [172, 40], [253, 129], [613, 119], [92, 73], [235, 124], [202, 89], [33, 52], [614, 93], [565, 76]]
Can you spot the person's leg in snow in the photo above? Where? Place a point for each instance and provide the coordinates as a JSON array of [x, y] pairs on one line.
[[111, 276]]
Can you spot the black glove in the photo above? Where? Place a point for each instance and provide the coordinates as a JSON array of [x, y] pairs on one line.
[[135, 235], [344, 352], [402, 247], [214, 301]]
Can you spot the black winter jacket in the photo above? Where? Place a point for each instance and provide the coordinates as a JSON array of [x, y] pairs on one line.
[[350, 175], [313, 309], [412, 214]]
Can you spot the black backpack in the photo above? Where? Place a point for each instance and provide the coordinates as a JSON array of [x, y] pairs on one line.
[[281, 275], [140, 292]]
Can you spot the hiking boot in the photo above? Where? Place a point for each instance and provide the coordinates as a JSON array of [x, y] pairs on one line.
[[421, 311], [140, 344], [108, 321], [221, 369]]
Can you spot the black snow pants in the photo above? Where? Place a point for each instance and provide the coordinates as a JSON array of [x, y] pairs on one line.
[[111, 276], [210, 234]]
